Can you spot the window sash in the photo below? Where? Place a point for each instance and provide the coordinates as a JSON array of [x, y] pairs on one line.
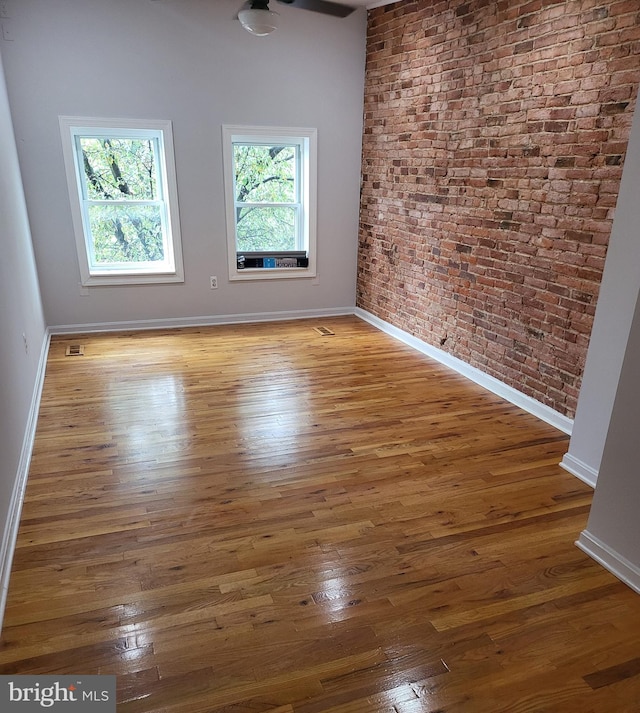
[[298, 238], [297, 208], [166, 265], [296, 204], [155, 139], [161, 210], [305, 207]]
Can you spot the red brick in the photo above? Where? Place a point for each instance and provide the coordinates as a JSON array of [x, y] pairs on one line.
[[494, 141]]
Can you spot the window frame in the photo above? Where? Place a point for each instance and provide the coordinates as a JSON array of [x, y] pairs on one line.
[[306, 139], [72, 129]]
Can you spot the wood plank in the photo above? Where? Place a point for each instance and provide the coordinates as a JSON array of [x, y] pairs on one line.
[[251, 518]]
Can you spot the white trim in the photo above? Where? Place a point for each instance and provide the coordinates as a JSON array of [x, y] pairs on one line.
[[541, 411], [204, 321], [172, 269], [618, 565], [581, 470], [307, 140], [10, 534]]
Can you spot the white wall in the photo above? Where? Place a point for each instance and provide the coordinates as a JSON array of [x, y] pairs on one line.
[[191, 62], [612, 535], [20, 314], [618, 294], [604, 445]]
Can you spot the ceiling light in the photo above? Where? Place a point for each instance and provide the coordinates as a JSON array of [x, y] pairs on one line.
[[258, 20]]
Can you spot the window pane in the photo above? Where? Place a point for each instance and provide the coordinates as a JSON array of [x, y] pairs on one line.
[[268, 228], [119, 169], [265, 174], [126, 234]]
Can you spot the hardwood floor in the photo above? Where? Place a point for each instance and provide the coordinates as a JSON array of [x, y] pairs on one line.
[[259, 518]]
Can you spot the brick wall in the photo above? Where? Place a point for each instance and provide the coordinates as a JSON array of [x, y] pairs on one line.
[[495, 134]]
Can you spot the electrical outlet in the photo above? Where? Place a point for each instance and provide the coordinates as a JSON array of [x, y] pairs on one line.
[[4, 9], [214, 282]]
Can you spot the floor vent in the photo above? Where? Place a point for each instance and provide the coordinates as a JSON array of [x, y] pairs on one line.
[[75, 350], [324, 331]]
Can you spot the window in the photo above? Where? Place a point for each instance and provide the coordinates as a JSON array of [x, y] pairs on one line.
[[122, 186], [270, 187]]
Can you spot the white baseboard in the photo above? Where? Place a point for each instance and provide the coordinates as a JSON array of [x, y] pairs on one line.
[[581, 470], [541, 411], [10, 535], [203, 321], [618, 565]]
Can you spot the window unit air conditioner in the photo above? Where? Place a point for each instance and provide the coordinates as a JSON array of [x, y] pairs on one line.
[[268, 259]]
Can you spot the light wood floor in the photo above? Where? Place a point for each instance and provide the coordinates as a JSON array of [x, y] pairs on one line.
[[260, 518]]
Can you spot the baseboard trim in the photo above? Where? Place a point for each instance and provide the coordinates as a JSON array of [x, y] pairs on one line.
[[611, 560], [202, 321], [541, 411], [10, 535], [581, 470]]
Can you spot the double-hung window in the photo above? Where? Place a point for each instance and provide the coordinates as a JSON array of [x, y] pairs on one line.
[[270, 189], [124, 205]]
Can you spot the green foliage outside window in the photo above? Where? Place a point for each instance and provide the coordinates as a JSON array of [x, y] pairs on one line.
[[266, 197], [121, 187]]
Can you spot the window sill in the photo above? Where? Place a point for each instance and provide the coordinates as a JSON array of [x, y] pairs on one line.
[[129, 279], [271, 273]]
